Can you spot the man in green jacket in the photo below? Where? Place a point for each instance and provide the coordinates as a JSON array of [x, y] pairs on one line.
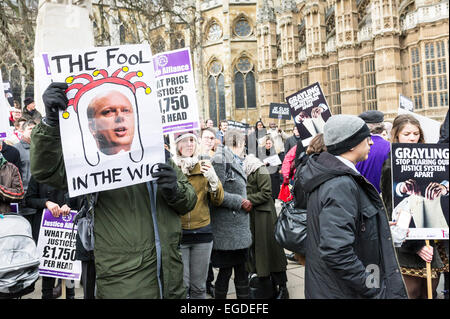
[[137, 228]]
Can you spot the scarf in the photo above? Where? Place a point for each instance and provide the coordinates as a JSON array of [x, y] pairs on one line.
[[186, 163]]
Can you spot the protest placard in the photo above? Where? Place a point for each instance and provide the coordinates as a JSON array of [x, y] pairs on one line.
[[238, 125], [14, 208], [176, 91], [420, 185], [5, 129], [109, 133], [57, 246], [279, 111], [310, 111], [405, 103], [273, 160], [430, 127]]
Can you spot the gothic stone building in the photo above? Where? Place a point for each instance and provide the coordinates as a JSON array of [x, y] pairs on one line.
[[249, 53], [363, 53]]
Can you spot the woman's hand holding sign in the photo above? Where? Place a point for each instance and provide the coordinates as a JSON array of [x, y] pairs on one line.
[[65, 210], [426, 253], [53, 208], [56, 210]]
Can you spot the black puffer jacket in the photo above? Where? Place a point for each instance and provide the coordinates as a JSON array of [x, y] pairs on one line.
[[348, 242]]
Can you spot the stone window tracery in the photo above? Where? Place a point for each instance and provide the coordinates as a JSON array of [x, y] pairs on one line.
[[416, 77], [244, 84], [242, 28], [216, 92], [159, 45], [368, 84], [436, 73], [335, 90], [214, 32]]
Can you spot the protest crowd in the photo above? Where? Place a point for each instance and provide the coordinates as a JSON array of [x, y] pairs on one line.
[[211, 205]]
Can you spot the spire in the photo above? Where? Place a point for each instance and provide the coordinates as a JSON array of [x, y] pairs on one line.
[[288, 6], [265, 13]]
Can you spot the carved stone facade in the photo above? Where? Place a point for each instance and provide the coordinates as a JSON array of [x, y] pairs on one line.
[[249, 53], [364, 53]]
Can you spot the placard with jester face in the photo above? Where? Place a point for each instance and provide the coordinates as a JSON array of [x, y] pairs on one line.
[[111, 132]]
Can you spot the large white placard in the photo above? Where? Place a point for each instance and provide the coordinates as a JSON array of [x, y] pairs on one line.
[[111, 132]]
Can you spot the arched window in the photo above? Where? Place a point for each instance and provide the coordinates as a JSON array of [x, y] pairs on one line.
[[29, 90], [244, 84], [16, 85], [178, 41], [5, 75], [158, 45], [216, 92], [122, 35], [242, 28], [214, 31]]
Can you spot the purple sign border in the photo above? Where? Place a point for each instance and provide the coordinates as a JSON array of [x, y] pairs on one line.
[[47, 216], [178, 127], [173, 59], [60, 274]]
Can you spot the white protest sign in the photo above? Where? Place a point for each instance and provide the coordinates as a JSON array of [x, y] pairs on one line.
[[110, 135], [405, 103], [57, 246], [176, 91], [273, 160], [43, 78], [5, 129], [430, 128]]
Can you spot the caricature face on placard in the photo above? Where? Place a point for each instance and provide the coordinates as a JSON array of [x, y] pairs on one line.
[[111, 122], [111, 132]]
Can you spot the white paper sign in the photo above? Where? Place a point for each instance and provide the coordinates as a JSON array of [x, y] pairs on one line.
[[176, 91], [273, 160], [111, 132], [430, 128], [405, 103], [57, 246], [5, 129]]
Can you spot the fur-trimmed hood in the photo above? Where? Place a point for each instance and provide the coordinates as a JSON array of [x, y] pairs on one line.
[[251, 164]]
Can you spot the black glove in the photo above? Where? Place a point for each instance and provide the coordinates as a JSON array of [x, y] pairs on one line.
[[167, 181], [55, 99]]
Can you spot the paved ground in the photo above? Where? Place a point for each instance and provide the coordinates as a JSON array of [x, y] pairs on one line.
[[295, 274]]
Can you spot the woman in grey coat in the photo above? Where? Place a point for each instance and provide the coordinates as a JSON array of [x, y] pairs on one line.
[[230, 222]]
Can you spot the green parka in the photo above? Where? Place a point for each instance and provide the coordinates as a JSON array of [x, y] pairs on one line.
[[125, 246]]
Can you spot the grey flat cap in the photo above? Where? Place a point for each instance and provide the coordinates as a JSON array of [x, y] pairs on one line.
[[372, 116]]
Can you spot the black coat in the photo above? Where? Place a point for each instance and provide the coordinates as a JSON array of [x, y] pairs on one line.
[[348, 235]]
